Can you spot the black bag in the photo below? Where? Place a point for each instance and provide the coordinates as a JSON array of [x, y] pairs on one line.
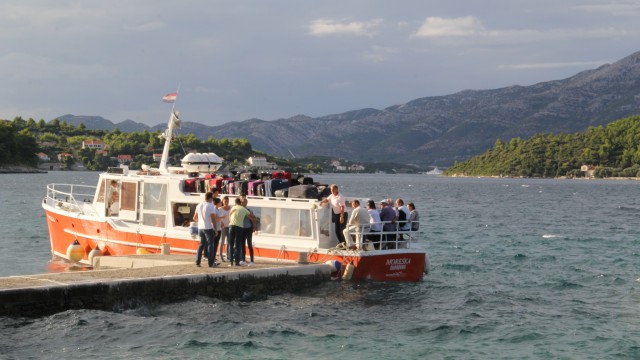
[[402, 218], [303, 192]]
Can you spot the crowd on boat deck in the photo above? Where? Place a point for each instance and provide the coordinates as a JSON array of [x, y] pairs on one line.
[[386, 222], [220, 224]]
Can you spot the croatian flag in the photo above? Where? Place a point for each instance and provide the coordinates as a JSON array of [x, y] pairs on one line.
[[169, 98]]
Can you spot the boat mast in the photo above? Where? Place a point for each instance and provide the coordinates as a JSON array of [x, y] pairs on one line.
[[174, 122]]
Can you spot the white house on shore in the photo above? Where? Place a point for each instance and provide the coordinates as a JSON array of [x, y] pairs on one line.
[[93, 144], [261, 163], [589, 171]]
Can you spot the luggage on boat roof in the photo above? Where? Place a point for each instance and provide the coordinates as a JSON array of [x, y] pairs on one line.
[[303, 192], [281, 193]]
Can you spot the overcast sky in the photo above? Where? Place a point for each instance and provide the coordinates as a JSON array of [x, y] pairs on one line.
[[235, 60]]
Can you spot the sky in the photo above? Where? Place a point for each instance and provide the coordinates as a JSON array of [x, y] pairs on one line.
[[272, 59]]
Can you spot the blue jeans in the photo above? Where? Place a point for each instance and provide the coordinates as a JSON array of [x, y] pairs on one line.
[[206, 240], [248, 236], [236, 240]]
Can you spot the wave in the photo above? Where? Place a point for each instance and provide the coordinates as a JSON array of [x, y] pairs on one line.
[[551, 236]]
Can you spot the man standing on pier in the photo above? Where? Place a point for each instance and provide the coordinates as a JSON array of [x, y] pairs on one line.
[[205, 215]]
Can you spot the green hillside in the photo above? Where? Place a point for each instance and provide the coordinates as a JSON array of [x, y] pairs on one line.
[[614, 151]]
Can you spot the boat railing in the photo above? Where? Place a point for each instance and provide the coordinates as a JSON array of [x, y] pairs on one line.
[[69, 197], [366, 239]]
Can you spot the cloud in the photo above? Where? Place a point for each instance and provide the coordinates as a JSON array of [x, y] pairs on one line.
[[434, 27], [468, 29], [324, 27]]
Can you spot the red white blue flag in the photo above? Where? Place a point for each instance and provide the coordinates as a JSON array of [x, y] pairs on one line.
[[169, 98]]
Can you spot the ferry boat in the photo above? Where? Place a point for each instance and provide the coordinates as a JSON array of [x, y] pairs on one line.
[[149, 211]]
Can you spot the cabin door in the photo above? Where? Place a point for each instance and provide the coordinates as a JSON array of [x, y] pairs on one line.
[[128, 200]]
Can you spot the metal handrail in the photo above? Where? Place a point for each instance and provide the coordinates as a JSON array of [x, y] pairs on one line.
[[384, 240], [73, 195]]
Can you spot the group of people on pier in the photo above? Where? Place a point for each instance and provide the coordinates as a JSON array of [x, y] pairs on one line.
[[217, 222]]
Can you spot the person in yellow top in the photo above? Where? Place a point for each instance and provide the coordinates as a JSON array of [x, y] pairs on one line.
[[236, 230]]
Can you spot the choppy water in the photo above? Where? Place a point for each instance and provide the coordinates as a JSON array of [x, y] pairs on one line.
[[520, 269]]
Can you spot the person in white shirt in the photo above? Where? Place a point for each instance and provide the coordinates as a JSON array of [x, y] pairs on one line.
[[358, 223], [403, 216], [205, 215], [338, 211]]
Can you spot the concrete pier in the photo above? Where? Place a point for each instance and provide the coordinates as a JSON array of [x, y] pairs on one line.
[[122, 282]]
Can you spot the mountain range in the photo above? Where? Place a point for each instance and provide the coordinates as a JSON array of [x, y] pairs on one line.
[[435, 130]]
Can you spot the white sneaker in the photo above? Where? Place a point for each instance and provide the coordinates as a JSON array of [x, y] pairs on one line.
[[251, 263], [242, 263]]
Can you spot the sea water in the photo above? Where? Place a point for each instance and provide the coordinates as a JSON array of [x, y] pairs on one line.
[[519, 269]]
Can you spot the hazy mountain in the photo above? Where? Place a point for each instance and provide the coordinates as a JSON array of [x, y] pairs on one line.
[[439, 130]]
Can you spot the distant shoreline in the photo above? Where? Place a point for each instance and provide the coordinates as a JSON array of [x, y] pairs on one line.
[[543, 178], [17, 169]]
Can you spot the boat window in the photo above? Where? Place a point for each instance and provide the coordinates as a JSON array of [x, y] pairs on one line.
[[100, 198], [128, 196], [153, 220], [295, 222], [183, 213], [324, 218], [113, 198], [155, 197], [267, 219]]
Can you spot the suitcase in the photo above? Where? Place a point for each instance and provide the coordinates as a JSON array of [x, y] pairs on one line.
[[249, 176], [281, 193], [200, 186], [253, 187], [261, 190], [281, 175], [278, 184], [303, 192]]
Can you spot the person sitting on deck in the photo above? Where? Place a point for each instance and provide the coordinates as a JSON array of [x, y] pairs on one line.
[[388, 218], [358, 223]]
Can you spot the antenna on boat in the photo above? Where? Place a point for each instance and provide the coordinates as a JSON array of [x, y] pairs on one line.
[[174, 122]]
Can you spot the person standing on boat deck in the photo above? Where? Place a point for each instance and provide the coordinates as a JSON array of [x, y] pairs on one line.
[[375, 222], [249, 225], [113, 198], [414, 217], [338, 214], [358, 223], [224, 211], [236, 230], [388, 218], [403, 214], [205, 215]]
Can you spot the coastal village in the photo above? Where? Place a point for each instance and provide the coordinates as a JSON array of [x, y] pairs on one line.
[[69, 161]]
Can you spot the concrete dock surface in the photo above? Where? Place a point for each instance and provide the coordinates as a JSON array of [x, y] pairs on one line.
[[118, 282]]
